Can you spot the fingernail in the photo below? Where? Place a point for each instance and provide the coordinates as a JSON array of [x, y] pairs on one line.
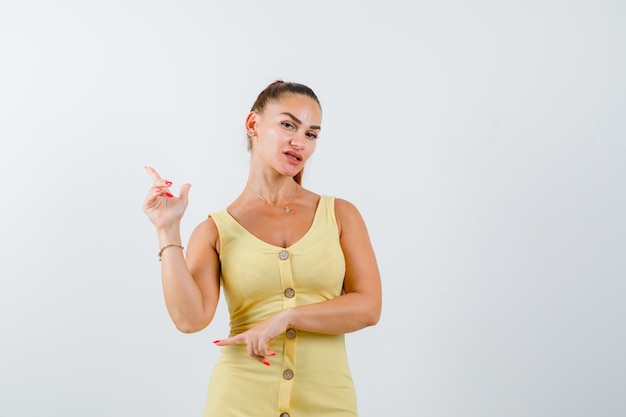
[[157, 191], [169, 195], [216, 341], [266, 363], [272, 354], [168, 183]]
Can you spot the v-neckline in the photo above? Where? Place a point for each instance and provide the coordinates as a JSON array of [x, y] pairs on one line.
[[249, 233]]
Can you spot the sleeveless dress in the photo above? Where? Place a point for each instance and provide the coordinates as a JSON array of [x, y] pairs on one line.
[[309, 376]]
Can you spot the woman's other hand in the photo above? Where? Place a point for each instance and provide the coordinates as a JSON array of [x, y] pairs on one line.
[[258, 337]]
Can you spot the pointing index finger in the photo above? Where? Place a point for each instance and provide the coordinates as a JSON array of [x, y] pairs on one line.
[[152, 172]]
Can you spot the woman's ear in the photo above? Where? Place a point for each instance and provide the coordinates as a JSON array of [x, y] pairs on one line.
[[251, 122]]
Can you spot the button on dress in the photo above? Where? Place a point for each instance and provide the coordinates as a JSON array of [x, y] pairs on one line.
[[309, 376]]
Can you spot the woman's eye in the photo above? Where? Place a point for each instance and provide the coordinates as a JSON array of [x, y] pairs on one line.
[[287, 125], [311, 135]]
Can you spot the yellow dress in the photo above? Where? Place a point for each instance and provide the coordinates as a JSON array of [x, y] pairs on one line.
[[309, 376]]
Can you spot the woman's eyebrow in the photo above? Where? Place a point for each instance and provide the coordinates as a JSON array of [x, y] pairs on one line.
[[298, 121]]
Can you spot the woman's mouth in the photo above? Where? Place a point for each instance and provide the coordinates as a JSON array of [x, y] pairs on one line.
[[294, 155]]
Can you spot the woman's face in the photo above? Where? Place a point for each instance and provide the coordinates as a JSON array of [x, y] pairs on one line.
[[286, 132]]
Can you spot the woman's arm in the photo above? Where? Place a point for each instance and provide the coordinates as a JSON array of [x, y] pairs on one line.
[[190, 287]]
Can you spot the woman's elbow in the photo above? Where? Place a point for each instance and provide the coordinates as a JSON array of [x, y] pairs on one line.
[[372, 315], [183, 328], [190, 326]]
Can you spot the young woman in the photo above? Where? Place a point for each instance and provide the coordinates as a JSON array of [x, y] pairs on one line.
[[297, 269]]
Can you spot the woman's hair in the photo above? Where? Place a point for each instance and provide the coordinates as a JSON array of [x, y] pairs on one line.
[[275, 92]]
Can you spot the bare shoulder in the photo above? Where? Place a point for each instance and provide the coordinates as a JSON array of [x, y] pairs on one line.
[[204, 236], [344, 206], [347, 214]]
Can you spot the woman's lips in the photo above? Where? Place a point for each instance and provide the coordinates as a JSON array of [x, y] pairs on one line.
[[293, 156]]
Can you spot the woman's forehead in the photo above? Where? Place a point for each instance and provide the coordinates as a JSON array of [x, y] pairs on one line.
[[297, 105]]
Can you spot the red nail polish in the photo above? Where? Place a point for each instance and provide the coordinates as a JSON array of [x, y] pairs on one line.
[[266, 363], [168, 183], [272, 354], [216, 341], [169, 195]]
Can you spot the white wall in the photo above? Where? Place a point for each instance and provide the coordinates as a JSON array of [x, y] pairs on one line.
[[484, 143]]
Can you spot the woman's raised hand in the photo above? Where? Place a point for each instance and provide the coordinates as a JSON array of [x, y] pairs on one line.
[[162, 208]]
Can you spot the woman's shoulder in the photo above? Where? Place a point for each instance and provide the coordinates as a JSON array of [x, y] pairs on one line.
[[207, 230], [344, 207], [346, 214]]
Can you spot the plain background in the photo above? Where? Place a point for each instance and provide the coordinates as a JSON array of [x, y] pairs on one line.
[[484, 143]]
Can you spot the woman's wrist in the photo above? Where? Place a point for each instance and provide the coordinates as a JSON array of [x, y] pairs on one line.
[[289, 316], [169, 235], [171, 245]]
